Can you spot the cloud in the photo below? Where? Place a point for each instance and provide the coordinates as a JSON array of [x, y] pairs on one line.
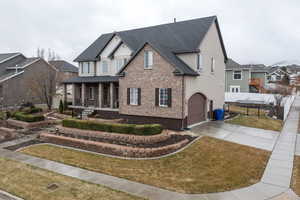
[[254, 31]]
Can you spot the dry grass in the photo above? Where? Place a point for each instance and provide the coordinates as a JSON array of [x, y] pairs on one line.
[[31, 183], [295, 183], [243, 110], [262, 122], [209, 165]]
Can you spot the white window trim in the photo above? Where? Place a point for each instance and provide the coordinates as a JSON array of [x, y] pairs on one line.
[[147, 59], [237, 71], [134, 96], [213, 65], [102, 68], [235, 86], [159, 97]]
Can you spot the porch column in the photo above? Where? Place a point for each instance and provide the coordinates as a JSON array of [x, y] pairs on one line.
[[65, 92], [73, 94], [82, 93], [100, 95], [111, 90]]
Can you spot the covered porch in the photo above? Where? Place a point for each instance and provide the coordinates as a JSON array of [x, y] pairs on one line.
[[98, 93]]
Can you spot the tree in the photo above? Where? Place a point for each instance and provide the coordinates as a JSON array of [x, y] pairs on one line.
[[52, 55], [285, 80], [42, 84]]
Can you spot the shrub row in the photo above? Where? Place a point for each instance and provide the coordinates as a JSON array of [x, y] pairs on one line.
[[29, 110], [146, 129], [28, 117]]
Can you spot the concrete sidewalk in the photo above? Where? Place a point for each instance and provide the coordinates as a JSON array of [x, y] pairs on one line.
[[275, 181]]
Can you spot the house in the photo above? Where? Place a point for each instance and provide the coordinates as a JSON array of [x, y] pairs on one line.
[[276, 74], [171, 74], [16, 75], [66, 71], [245, 78]]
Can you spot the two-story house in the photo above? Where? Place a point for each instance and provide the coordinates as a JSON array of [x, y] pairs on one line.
[[245, 78], [172, 74]]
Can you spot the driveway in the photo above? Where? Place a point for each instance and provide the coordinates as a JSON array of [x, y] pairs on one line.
[[258, 138]]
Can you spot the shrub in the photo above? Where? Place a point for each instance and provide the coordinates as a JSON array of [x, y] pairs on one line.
[[36, 110], [146, 129], [28, 117], [66, 105]]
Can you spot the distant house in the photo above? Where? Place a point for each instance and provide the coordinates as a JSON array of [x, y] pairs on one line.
[[245, 78], [16, 72], [276, 74]]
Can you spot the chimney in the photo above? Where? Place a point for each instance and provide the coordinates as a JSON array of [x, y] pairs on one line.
[[174, 20]]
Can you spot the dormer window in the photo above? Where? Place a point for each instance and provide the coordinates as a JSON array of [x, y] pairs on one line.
[[120, 63], [148, 59], [86, 67], [199, 63]]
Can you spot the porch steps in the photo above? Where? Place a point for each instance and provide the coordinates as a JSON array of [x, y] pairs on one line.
[[86, 112]]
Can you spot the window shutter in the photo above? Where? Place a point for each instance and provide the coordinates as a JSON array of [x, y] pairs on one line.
[[156, 96], [169, 97], [139, 96], [128, 96], [198, 61]]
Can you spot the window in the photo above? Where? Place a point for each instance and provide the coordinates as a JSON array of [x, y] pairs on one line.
[[148, 59], [235, 89], [120, 63], [86, 67], [133, 96], [213, 63], [104, 67], [237, 75], [199, 63], [163, 97], [81, 67], [91, 93]]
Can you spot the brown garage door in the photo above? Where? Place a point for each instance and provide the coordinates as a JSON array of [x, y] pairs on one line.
[[196, 109]]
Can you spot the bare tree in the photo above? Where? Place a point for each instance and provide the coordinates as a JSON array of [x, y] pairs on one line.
[[42, 84], [52, 55]]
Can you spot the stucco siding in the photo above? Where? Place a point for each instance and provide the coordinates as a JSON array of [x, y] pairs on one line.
[[212, 85]]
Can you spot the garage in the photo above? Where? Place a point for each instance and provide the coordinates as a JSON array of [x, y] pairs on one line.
[[196, 109]]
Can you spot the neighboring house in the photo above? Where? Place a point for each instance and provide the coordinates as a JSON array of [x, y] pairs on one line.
[[245, 78], [65, 71], [276, 74], [172, 74], [16, 73]]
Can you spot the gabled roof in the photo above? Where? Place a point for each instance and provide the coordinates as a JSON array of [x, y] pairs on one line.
[[232, 65], [64, 66], [167, 39], [6, 56]]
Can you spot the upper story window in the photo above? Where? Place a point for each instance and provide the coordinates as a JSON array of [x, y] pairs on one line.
[[120, 63], [104, 67], [148, 59], [86, 67], [199, 63], [213, 65], [237, 75]]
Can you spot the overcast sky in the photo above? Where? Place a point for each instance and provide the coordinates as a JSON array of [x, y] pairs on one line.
[[256, 31]]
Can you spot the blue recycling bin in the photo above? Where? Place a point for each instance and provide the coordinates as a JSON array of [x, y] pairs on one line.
[[219, 114]]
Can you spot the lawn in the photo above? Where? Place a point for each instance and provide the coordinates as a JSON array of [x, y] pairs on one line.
[[295, 183], [262, 122], [32, 183], [243, 110], [209, 165]]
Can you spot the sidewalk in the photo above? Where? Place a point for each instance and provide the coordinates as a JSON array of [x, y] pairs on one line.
[[275, 181]]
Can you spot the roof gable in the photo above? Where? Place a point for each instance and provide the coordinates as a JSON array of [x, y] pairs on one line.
[[64, 66]]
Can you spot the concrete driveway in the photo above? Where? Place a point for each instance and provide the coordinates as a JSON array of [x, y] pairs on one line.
[[259, 138]]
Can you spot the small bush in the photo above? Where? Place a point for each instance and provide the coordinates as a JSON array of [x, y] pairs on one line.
[[61, 107], [147, 129], [36, 110], [28, 117]]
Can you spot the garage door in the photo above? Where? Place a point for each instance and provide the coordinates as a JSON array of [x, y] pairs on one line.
[[196, 109]]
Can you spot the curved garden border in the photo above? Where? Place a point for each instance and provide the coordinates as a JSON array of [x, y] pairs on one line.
[[21, 124]]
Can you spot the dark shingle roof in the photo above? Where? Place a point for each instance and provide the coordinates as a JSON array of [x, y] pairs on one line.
[[64, 66], [167, 39], [92, 79], [232, 65], [4, 56]]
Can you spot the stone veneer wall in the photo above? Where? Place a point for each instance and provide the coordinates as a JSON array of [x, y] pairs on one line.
[[160, 76]]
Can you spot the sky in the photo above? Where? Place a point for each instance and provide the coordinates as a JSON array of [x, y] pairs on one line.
[[256, 31]]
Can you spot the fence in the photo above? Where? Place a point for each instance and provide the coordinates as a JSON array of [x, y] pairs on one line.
[[287, 105]]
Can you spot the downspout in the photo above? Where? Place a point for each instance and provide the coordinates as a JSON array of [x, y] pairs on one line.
[[183, 97]]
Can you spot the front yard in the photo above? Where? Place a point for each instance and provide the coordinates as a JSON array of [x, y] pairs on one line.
[[32, 183], [209, 165], [253, 121]]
